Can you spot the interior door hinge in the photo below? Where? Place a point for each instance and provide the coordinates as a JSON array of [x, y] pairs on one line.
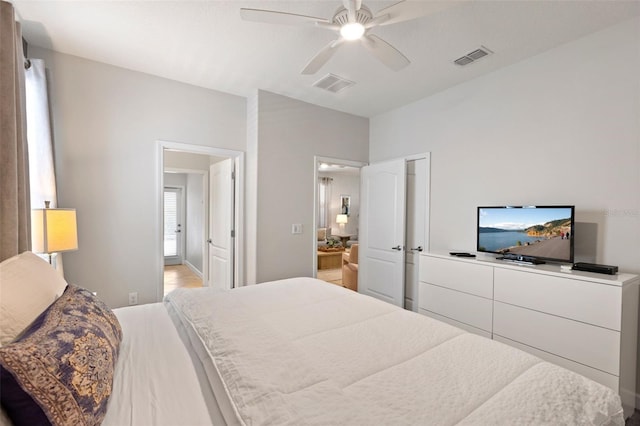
[[233, 233], [233, 175]]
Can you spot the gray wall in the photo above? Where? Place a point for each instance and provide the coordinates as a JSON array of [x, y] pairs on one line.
[[195, 221], [560, 128], [288, 134], [106, 122]]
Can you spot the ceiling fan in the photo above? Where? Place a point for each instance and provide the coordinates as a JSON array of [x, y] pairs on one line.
[[353, 21]]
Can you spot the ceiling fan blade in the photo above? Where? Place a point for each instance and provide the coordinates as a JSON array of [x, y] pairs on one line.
[[378, 20], [387, 54], [322, 57], [275, 17], [406, 10], [328, 26]]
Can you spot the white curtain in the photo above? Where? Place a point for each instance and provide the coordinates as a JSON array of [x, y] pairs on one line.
[[324, 197], [41, 170], [42, 178]]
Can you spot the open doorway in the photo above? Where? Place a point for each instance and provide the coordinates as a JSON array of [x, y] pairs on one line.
[[336, 219], [184, 218], [200, 200]]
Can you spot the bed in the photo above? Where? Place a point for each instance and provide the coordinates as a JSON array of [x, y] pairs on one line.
[[305, 352]]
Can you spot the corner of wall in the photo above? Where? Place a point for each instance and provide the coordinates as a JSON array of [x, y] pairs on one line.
[[251, 202]]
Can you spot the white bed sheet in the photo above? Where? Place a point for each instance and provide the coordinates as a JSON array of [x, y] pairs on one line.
[[155, 382], [305, 352]]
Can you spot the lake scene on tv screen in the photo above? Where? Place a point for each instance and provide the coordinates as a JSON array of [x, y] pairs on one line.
[[540, 232]]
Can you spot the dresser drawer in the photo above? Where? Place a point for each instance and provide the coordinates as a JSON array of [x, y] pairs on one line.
[[601, 377], [463, 307], [566, 297], [465, 327], [587, 344], [458, 275]]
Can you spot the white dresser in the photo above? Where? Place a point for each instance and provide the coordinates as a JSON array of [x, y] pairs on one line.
[[582, 321]]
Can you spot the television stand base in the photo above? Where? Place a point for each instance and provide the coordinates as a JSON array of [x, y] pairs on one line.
[[521, 259]]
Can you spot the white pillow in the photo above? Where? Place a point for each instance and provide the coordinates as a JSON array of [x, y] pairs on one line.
[[28, 285]]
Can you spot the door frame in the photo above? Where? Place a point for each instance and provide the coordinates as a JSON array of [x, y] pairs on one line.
[[239, 161], [427, 219], [427, 225], [317, 160]]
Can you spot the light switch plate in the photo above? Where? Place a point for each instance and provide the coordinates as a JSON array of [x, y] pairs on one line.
[[296, 228]]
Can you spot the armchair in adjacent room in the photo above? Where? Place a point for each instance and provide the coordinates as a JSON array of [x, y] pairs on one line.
[[350, 268]]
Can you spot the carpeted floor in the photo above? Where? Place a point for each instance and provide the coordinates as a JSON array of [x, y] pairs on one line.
[[633, 420]]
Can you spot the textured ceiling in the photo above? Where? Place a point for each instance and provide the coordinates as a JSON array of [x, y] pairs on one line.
[[205, 43]]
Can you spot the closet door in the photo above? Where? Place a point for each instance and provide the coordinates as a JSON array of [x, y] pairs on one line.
[[382, 226], [416, 223]]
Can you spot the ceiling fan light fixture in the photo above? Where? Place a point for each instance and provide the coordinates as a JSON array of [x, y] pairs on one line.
[[352, 31]]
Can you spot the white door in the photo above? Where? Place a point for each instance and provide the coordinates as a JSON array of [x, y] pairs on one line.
[[416, 235], [220, 242], [382, 225], [172, 226]]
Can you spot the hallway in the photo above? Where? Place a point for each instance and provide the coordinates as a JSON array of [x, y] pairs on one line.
[[180, 276]]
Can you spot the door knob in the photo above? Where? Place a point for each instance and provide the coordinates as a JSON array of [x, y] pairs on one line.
[[419, 248], [399, 248], [209, 241], [177, 230]]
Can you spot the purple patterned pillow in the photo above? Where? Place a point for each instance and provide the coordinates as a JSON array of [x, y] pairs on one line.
[[60, 370]]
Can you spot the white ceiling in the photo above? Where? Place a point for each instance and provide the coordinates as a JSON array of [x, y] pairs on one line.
[[205, 43]]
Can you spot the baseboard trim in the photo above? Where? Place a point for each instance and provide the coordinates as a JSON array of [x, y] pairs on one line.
[[193, 268]]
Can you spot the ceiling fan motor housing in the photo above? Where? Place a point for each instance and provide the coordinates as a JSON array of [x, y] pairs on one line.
[[363, 15]]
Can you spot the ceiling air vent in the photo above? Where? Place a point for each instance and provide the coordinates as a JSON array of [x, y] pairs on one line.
[[473, 56], [333, 83]]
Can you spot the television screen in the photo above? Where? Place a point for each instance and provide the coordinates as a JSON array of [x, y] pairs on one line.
[[541, 232]]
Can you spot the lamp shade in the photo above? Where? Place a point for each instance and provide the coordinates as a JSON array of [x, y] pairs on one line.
[[342, 218], [53, 230]]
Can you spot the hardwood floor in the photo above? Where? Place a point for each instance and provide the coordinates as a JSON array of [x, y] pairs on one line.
[[180, 276], [333, 276]]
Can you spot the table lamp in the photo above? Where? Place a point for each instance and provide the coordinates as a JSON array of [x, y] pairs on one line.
[[53, 230], [341, 219]]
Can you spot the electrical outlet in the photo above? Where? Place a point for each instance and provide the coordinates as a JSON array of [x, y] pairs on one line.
[[133, 298]]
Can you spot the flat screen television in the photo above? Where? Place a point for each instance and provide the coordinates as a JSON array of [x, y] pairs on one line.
[[536, 232]]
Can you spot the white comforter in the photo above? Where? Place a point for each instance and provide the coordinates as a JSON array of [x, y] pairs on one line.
[[303, 352]]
